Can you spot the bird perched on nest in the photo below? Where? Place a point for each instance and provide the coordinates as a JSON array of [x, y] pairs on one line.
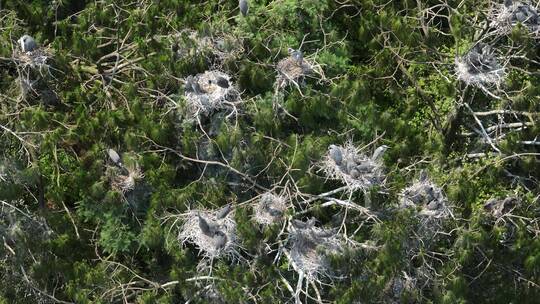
[[224, 212], [480, 59], [526, 14], [27, 43], [303, 225], [244, 7], [379, 152], [206, 228], [192, 85], [115, 158], [335, 154], [296, 55], [220, 239], [222, 82]]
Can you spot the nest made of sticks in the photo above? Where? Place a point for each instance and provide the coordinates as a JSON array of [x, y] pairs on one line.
[[35, 75], [505, 16], [480, 66], [37, 59], [18, 225], [500, 207], [214, 91], [223, 47], [126, 178], [221, 242], [428, 197], [356, 170], [269, 209], [292, 72], [309, 248], [398, 286]]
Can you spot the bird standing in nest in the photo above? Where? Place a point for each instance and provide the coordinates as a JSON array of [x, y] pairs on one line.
[[27, 43]]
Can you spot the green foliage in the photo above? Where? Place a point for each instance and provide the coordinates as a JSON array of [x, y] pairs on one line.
[[388, 76]]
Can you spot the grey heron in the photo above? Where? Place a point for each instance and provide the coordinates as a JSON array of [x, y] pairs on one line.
[[224, 211], [222, 82], [27, 43], [296, 55], [303, 225], [115, 158], [379, 152], [192, 85], [205, 227], [423, 176], [275, 212], [244, 7], [335, 154], [220, 239]]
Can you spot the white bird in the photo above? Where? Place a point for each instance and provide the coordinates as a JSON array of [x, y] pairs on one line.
[[379, 152], [244, 7], [115, 158], [27, 43]]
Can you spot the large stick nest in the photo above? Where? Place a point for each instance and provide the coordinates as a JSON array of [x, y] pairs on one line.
[[309, 248], [269, 209], [223, 47], [480, 66], [497, 208], [34, 71], [212, 96], [223, 242], [37, 59], [292, 72], [427, 196], [356, 170], [126, 178], [504, 17]]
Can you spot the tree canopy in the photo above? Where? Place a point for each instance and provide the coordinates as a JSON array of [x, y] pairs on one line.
[[314, 151]]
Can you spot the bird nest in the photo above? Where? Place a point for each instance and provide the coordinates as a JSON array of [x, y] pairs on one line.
[[34, 74], [427, 196], [18, 225], [480, 67], [213, 91], [125, 179], [353, 168], [398, 286], [497, 208], [37, 59], [292, 72], [505, 16], [222, 242], [309, 248], [223, 47], [269, 209]]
